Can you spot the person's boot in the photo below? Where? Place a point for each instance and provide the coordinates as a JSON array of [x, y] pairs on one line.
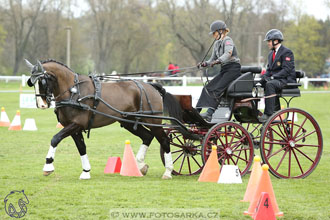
[[207, 115]]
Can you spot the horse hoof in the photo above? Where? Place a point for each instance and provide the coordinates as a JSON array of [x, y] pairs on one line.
[[166, 177], [47, 173], [144, 169], [85, 176]]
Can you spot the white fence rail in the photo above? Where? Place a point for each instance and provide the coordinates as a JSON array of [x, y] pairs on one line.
[[182, 80]]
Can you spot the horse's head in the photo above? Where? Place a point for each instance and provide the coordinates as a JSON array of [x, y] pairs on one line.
[[43, 83]]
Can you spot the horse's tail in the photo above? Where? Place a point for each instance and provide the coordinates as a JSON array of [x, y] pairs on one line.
[[171, 105]]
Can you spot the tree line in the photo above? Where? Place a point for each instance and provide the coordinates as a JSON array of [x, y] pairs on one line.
[[145, 35]]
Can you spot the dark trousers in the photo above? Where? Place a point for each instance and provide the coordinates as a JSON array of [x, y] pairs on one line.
[[272, 104], [212, 92]]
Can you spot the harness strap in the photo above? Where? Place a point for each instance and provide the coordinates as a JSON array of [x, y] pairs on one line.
[[97, 96], [142, 90]]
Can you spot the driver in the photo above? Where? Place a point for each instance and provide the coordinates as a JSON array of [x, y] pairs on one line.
[[224, 53], [280, 71]]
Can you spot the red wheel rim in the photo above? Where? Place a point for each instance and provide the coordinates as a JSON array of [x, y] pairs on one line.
[[296, 144], [234, 145]]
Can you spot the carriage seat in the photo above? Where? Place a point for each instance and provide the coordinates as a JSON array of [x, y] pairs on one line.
[[291, 89], [242, 86]]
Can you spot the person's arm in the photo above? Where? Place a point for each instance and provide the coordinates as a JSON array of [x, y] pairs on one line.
[[213, 56], [228, 50]]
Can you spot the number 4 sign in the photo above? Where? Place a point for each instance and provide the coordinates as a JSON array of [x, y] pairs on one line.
[[264, 209]]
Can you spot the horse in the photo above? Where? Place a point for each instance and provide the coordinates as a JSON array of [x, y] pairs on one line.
[[84, 102]]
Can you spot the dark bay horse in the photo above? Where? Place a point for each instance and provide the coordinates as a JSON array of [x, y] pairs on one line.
[[77, 95]]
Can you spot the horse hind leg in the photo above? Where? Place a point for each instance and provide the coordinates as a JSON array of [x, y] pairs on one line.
[[80, 143], [66, 131], [146, 137], [165, 145]]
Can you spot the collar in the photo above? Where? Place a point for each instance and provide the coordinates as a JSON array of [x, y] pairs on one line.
[[276, 50]]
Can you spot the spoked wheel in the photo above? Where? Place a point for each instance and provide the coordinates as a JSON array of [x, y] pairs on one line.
[[234, 145], [296, 143], [186, 154], [255, 132]]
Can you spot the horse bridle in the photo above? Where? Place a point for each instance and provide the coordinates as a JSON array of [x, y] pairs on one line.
[[38, 73]]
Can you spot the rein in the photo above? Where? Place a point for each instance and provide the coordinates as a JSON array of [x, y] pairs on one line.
[[150, 72]]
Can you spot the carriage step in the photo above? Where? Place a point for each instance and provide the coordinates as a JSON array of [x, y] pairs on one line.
[[220, 115]]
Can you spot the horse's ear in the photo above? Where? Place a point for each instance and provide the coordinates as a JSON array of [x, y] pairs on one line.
[[30, 84], [40, 67], [30, 65]]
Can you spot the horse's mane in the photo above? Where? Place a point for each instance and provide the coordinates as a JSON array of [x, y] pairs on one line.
[[55, 61]]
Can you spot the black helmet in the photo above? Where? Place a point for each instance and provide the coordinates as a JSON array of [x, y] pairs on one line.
[[274, 34], [217, 25]]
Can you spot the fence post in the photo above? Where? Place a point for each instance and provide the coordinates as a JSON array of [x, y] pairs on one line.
[[145, 79], [184, 80], [23, 80], [306, 82]]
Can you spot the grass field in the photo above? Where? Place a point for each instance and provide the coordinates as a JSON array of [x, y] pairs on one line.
[[63, 196]]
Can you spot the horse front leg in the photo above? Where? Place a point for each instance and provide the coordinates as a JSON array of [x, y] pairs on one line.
[[80, 143], [66, 131], [165, 145]]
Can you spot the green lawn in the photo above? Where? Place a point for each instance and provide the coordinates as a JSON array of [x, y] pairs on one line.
[[63, 196]]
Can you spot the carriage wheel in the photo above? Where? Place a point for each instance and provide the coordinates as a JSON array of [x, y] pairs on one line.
[[234, 145], [296, 143], [255, 132], [186, 153]]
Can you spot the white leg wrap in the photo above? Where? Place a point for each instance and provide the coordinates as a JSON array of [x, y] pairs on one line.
[[85, 163], [51, 152], [85, 175], [168, 166], [49, 167], [141, 155]]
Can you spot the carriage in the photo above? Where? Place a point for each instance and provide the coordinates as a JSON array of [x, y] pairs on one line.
[[290, 142]]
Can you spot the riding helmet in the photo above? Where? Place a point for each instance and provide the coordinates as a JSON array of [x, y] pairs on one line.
[[217, 25], [274, 34]]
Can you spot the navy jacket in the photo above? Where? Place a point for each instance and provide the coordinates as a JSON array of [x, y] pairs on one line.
[[283, 66]]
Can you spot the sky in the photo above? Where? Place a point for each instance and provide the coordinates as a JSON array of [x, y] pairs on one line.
[[316, 8]]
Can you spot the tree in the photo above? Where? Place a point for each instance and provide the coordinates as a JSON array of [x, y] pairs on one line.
[[190, 24], [303, 39], [22, 18]]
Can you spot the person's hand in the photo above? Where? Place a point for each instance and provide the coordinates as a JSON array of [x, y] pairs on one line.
[[202, 64], [215, 63]]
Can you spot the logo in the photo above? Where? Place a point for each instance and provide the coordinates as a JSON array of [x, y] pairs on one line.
[[15, 204], [278, 63], [287, 58]]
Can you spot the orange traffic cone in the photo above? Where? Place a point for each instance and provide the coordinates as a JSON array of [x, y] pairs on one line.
[[264, 185], [16, 123], [59, 125], [113, 165], [253, 181], [129, 166], [211, 170], [4, 120], [264, 209]]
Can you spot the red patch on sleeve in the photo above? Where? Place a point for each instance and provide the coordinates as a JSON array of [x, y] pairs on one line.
[[228, 43], [287, 58]]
